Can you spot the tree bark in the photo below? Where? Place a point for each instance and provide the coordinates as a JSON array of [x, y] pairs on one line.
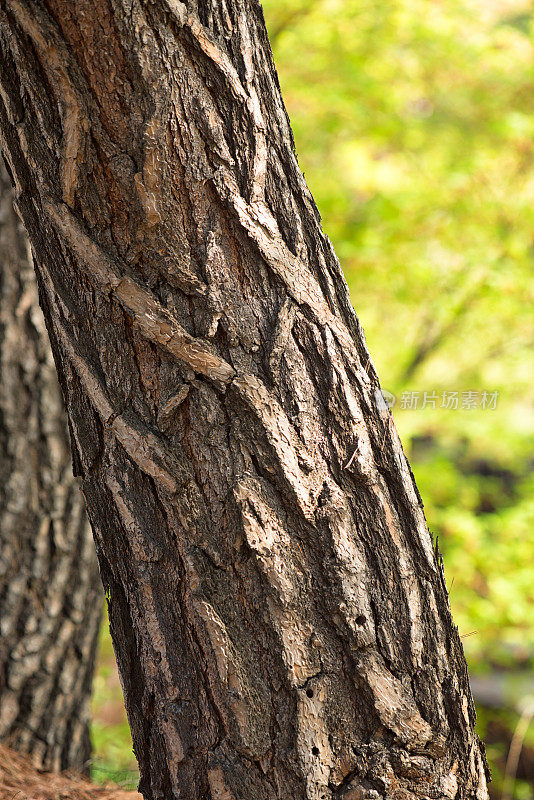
[[278, 609], [50, 594]]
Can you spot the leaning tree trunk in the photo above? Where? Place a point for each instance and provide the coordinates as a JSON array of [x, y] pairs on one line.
[[50, 597], [278, 610]]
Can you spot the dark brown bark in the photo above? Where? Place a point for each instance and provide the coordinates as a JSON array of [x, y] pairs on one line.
[[50, 594], [279, 612]]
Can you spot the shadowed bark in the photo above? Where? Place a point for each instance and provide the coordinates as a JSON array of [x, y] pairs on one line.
[[278, 610], [50, 594]]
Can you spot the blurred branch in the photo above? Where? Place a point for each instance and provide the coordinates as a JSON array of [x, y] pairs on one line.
[[432, 337], [503, 690], [288, 19], [515, 748]]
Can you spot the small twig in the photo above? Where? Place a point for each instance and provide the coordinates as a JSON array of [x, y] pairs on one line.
[[351, 459]]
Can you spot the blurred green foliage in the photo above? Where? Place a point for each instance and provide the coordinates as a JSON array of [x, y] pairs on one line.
[[113, 757], [414, 128]]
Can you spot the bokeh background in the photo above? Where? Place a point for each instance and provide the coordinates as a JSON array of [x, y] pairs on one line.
[[414, 126]]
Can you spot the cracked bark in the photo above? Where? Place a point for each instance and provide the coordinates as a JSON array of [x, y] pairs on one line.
[[50, 594], [279, 612]]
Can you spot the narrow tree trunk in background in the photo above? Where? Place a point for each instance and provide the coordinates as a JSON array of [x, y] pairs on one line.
[[279, 613], [50, 594]]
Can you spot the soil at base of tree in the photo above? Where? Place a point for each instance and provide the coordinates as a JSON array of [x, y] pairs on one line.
[[18, 778]]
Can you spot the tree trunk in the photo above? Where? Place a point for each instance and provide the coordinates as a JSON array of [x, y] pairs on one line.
[[279, 612], [50, 597]]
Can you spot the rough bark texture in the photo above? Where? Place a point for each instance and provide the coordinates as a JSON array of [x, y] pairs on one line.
[[50, 594], [278, 608]]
